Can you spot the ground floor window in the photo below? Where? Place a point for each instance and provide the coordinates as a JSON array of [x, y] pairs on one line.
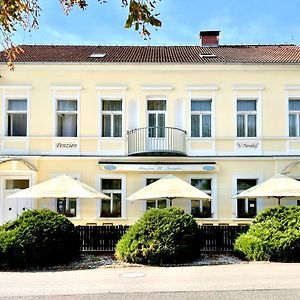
[[111, 208], [201, 208], [246, 208], [67, 207], [159, 203], [163, 203], [298, 202]]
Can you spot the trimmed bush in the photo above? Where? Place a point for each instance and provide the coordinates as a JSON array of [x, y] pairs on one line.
[[38, 238], [161, 236], [274, 235]]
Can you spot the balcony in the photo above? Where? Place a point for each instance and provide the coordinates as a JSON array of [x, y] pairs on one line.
[[158, 141]]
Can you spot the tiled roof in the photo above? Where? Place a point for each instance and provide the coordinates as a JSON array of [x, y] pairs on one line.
[[159, 54]]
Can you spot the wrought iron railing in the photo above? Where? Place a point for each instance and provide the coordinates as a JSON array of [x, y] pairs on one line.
[[159, 140]]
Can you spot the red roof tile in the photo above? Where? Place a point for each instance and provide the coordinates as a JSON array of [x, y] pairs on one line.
[[159, 54]]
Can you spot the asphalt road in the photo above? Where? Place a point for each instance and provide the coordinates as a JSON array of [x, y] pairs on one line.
[[215, 295], [239, 281]]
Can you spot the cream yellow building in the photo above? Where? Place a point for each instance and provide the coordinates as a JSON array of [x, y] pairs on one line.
[[222, 118]]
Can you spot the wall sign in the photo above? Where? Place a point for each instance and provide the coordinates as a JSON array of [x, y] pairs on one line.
[[245, 145], [66, 146], [158, 168]]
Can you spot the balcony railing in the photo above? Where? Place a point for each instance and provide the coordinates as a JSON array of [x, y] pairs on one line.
[[156, 141]]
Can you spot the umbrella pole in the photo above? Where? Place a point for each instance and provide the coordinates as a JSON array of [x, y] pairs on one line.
[[278, 199]]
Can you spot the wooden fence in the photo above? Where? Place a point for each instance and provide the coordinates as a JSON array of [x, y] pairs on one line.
[[219, 238], [105, 238], [100, 238]]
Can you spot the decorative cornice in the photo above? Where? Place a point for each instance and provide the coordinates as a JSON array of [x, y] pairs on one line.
[[292, 87], [157, 87], [66, 87], [212, 87], [16, 87], [249, 87], [112, 87]]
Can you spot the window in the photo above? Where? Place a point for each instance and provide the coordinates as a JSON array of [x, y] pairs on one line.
[[201, 118], [111, 208], [17, 117], [201, 208], [111, 118], [246, 118], [294, 117], [156, 118], [160, 203], [246, 208], [67, 118], [19, 184], [67, 206]]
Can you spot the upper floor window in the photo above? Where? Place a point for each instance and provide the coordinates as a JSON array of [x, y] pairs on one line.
[[246, 208], [201, 118], [111, 208], [111, 118], [294, 117], [67, 116], [202, 208], [17, 117], [246, 118]]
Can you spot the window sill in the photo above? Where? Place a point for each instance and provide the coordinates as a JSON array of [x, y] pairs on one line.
[[74, 218], [67, 137], [15, 137], [210, 219], [200, 138], [111, 219], [248, 138], [107, 138]]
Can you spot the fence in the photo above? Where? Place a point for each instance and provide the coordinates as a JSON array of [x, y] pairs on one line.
[[219, 238], [105, 238], [100, 238]]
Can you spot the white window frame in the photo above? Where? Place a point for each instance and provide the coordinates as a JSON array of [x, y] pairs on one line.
[[214, 194], [6, 111], [259, 202], [154, 176], [201, 113], [297, 113], [242, 93], [112, 113], [57, 112], [76, 176], [207, 96], [67, 199], [245, 114], [123, 195]]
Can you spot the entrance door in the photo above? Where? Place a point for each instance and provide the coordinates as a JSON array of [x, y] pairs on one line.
[[12, 208], [156, 124]]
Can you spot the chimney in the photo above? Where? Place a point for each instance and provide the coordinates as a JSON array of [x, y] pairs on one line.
[[209, 38]]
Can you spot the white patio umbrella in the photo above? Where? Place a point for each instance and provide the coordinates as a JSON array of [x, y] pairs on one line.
[[169, 187], [62, 186], [278, 186]]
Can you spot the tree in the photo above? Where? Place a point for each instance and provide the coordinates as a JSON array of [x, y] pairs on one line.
[[25, 13]]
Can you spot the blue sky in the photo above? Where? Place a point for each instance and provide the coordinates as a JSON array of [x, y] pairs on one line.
[[240, 22]]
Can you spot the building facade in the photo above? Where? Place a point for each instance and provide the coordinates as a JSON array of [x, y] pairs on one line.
[[222, 118]]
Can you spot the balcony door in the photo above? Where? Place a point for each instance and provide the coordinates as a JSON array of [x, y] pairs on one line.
[[156, 124]]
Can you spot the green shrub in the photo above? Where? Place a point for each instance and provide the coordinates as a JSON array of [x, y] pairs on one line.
[[273, 235], [161, 236], [38, 238]]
